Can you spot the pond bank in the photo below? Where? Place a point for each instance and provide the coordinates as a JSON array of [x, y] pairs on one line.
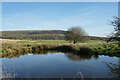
[[111, 49]]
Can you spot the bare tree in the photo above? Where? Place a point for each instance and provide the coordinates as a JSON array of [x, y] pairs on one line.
[[115, 35], [75, 34]]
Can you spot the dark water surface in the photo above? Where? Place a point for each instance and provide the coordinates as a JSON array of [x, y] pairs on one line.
[[59, 65]]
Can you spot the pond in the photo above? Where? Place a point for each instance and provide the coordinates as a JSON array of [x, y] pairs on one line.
[[59, 65]]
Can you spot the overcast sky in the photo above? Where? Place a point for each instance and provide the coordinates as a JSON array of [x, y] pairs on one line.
[[92, 17]]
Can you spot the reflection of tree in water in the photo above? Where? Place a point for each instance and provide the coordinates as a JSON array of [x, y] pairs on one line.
[[114, 69], [17, 55], [75, 57]]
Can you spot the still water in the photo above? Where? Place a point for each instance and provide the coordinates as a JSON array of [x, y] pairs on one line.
[[59, 65]]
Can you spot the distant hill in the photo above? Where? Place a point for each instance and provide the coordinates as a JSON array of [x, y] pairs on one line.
[[40, 35]]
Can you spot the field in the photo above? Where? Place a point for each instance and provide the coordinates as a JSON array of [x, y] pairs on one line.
[[48, 41], [56, 41], [44, 41]]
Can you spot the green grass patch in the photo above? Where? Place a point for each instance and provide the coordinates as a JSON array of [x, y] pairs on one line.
[[57, 41], [44, 41], [94, 41], [54, 41]]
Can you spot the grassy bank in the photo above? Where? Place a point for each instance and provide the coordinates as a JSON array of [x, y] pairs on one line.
[[16, 47], [106, 49]]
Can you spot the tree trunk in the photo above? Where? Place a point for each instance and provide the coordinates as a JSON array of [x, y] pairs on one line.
[[75, 42], [119, 44]]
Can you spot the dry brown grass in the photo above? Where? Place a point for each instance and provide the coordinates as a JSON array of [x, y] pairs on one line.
[[13, 47]]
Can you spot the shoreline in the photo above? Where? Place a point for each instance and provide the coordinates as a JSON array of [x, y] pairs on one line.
[[13, 47]]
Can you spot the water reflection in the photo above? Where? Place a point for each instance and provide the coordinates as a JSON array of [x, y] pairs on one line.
[[53, 64], [114, 69], [17, 55], [75, 57], [70, 56]]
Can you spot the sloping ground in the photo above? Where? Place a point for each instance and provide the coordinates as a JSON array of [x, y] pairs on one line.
[[40, 35], [34, 34]]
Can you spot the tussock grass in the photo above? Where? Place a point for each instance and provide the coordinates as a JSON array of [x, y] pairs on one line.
[[10, 48]]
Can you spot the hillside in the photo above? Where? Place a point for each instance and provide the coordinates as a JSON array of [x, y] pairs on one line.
[[34, 34], [40, 35]]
